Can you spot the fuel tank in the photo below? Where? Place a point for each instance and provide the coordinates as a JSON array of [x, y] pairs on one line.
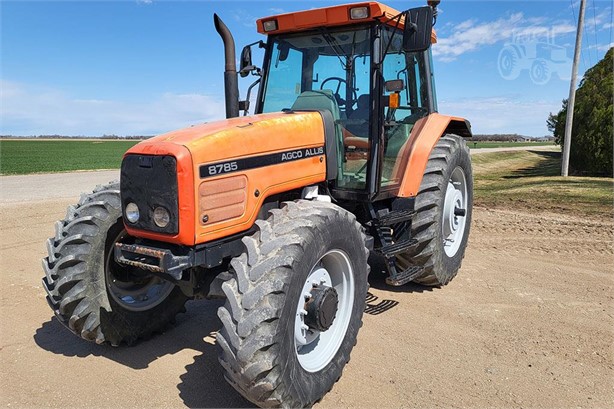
[[224, 171]]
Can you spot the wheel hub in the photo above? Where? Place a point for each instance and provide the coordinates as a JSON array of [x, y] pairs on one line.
[[324, 310], [132, 288], [321, 308], [454, 209], [454, 212]]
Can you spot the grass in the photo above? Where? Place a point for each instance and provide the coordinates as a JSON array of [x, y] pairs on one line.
[[513, 180], [530, 180], [18, 157], [494, 144]]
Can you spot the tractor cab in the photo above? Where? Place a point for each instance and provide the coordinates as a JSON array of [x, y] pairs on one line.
[[368, 69]]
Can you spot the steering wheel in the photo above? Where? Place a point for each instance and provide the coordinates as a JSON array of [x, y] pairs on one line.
[[340, 101]]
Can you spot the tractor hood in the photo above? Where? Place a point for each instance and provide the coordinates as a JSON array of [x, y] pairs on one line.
[[239, 137], [224, 171]]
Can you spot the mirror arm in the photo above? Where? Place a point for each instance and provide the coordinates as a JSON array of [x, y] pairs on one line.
[[251, 69], [398, 17], [260, 43], [249, 94], [434, 4]]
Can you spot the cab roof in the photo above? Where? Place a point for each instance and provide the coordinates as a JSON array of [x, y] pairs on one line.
[[330, 17]]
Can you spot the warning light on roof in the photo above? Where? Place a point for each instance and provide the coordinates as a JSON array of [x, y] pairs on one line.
[[358, 13], [270, 25]]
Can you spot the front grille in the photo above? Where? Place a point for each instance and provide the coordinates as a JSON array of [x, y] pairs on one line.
[[151, 181]]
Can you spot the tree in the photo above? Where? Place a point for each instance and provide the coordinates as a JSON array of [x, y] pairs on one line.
[[592, 132]]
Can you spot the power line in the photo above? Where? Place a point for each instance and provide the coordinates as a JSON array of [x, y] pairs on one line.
[[611, 23], [582, 53], [595, 32]]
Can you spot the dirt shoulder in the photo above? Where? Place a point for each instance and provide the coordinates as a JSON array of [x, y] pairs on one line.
[[546, 148], [49, 186], [527, 323]]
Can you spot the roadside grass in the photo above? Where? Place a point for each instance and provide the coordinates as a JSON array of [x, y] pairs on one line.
[[18, 157], [527, 180], [494, 144], [530, 180]]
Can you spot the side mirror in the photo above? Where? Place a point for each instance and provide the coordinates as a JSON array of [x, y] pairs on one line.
[[418, 29], [394, 86], [246, 61]]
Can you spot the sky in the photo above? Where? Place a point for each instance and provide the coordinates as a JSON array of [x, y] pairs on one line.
[[145, 67]]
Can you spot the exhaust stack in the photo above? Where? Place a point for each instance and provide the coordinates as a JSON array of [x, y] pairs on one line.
[[231, 81]]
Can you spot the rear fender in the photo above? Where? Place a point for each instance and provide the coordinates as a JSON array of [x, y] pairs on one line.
[[416, 151]]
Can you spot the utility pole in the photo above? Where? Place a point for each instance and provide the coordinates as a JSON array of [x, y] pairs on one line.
[[572, 92]]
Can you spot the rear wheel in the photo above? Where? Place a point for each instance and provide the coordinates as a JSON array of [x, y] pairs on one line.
[[540, 72], [95, 297], [444, 209], [294, 305]]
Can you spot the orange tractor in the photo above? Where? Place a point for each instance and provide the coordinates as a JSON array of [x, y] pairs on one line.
[[346, 156]]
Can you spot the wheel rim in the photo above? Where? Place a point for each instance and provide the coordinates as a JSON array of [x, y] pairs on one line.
[[506, 63], [132, 288], [315, 349], [454, 212]]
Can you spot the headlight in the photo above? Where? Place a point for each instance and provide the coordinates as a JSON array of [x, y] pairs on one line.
[[132, 212], [161, 217]]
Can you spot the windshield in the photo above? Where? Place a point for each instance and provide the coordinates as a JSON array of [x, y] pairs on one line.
[[326, 70], [317, 61]]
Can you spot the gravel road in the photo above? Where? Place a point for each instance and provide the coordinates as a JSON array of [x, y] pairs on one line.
[[529, 322]]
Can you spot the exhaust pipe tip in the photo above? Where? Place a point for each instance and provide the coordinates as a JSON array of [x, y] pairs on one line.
[[231, 82]]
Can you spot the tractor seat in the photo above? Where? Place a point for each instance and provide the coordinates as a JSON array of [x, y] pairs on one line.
[[325, 100], [320, 100], [316, 100], [358, 120]]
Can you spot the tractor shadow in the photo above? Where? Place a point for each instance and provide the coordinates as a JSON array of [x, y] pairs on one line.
[[202, 385], [549, 164], [377, 280]]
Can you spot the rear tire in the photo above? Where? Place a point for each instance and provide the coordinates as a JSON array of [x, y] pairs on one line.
[[88, 292], [442, 237], [265, 355]]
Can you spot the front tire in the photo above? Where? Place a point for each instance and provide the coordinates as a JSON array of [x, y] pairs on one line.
[[508, 63], [267, 352], [444, 207], [89, 293]]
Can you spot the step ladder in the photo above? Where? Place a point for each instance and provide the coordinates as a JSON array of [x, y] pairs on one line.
[[393, 231]]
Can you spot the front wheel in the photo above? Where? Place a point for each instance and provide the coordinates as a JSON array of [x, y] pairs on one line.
[[90, 293], [444, 207], [508, 63], [294, 305]]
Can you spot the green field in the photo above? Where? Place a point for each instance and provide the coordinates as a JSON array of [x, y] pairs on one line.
[[494, 144], [530, 181], [35, 156], [44, 156]]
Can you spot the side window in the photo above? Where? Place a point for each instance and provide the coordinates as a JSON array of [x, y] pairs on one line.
[[284, 83], [338, 63], [413, 104]]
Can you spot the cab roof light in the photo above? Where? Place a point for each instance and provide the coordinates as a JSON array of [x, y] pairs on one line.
[[270, 25], [359, 13]]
